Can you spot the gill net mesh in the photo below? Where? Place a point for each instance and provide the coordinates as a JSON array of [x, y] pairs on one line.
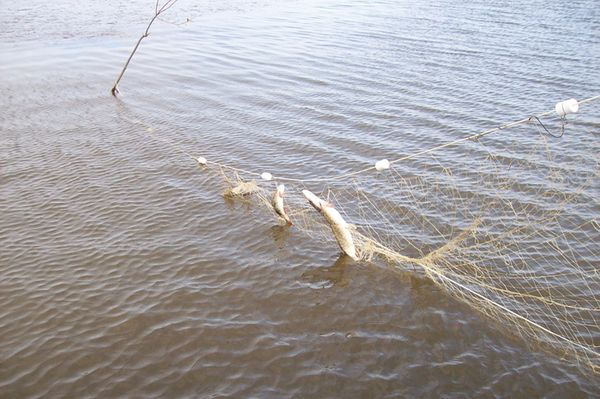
[[511, 228]]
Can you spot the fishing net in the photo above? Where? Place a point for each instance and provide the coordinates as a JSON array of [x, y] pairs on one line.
[[508, 223]]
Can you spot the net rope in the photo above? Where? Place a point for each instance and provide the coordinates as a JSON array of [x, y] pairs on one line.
[[512, 229]]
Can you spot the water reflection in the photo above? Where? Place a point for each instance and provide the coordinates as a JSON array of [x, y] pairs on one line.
[[113, 238], [326, 278], [244, 203], [280, 234]]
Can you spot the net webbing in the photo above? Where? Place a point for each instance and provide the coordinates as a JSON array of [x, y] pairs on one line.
[[512, 228]]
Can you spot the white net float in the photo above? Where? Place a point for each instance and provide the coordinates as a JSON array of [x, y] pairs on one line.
[[563, 108], [382, 165]]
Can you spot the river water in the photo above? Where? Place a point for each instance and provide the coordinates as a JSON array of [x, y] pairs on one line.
[[124, 272]]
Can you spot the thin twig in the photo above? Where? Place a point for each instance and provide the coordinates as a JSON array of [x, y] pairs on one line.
[[157, 11]]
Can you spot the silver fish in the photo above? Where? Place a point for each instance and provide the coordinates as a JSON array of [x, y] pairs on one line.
[[341, 229], [277, 203]]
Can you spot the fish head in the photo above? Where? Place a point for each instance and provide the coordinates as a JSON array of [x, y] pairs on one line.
[[312, 199], [280, 190]]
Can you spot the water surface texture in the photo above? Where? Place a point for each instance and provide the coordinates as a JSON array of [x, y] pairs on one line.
[[124, 272]]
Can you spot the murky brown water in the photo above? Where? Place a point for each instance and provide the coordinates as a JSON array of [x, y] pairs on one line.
[[123, 272]]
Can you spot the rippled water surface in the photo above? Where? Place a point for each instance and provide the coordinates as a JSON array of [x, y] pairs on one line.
[[124, 272]]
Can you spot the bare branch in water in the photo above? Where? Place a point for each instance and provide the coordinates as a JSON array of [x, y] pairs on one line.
[[167, 5], [157, 11]]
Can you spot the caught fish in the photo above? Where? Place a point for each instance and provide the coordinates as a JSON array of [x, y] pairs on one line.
[[277, 203], [341, 229], [242, 189]]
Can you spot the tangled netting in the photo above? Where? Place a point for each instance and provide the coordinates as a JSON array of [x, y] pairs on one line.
[[508, 224]]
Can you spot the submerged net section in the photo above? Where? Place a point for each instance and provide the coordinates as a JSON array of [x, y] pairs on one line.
[[508, 223]]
